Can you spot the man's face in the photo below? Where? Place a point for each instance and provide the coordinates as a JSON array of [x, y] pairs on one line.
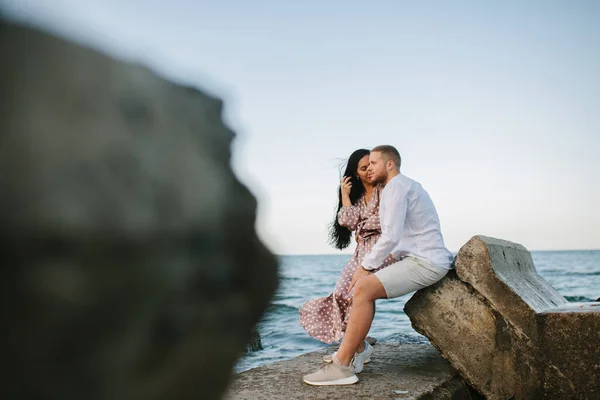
[[377, 172]]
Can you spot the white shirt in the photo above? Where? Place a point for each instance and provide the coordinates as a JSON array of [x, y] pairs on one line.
[[409, 226]]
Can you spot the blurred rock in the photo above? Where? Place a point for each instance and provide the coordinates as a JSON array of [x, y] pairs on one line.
[[506, 330], [132, 269]]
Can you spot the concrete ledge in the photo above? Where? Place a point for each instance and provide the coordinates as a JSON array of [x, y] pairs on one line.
[[397, 371]]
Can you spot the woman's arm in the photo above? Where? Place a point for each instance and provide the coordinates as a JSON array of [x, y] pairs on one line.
[[349, 217], [349, 214]]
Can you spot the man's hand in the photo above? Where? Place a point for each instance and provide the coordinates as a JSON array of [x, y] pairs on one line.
[[359, 274]]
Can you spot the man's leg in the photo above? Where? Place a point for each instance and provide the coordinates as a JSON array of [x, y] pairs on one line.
[[366, 291]]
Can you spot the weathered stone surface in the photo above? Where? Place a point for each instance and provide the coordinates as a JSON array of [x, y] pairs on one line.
[[397, 371], [454, 389], [132, 269], [570, 341], [504, 273], [487, 351], [506, 330]]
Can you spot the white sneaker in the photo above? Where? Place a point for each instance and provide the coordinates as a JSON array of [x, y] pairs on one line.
[[332, 374], [329, 357], [360, 359]]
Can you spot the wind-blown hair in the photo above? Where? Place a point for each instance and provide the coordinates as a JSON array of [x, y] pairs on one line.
[[340, 236]]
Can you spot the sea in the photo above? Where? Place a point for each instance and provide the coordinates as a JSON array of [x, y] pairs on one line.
[[575, 274]]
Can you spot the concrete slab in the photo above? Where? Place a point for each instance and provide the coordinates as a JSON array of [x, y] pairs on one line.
[[397, 371]]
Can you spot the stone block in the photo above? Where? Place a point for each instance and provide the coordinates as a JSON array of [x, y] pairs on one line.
[[506, 330], [479, 343], [504, 273], [570, 341]]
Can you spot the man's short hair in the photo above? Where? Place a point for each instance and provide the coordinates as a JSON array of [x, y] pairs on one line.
[[389, 153]]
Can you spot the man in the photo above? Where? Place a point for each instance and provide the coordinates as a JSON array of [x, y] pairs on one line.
[[410, 231]]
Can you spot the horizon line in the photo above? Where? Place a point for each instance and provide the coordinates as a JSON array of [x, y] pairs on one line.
[[453, 252]]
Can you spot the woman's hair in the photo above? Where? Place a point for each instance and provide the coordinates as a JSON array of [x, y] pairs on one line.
[[339, 236]]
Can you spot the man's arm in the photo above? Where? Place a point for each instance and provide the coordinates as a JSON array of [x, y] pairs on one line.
[[392, 218]]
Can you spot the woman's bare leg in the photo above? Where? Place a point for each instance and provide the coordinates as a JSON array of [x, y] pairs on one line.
[[366, 291]]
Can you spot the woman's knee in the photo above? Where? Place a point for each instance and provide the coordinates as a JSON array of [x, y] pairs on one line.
[[367, 289]]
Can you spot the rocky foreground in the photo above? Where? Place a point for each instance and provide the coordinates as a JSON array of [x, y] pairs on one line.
[[126, 241]]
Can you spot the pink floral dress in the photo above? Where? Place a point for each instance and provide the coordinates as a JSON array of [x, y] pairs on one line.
[[326, 318]]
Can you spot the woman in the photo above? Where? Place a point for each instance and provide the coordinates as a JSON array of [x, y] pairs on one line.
[[326, 318]]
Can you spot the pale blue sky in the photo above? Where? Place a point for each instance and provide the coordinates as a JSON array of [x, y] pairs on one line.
[[493, 105]]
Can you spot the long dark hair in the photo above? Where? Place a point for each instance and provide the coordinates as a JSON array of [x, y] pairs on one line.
[[339, 236]]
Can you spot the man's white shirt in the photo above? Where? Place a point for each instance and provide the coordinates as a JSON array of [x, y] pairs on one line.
[[409, 226]]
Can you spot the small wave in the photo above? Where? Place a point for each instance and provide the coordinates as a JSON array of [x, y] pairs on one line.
[[578, 299], [553, 271], [282, 308], [593, 273], [290, 278]]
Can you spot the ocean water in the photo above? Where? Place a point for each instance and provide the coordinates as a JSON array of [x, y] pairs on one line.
[[575, 274]]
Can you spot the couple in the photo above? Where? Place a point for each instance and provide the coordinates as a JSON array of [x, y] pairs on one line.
[[400, 250]]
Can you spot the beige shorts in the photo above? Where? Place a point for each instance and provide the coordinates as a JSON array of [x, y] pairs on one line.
[[408, 275]]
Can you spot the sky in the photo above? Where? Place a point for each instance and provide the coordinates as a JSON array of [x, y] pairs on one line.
[[494, 106]]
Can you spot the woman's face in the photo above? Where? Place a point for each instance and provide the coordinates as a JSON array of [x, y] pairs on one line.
[[361, 171]]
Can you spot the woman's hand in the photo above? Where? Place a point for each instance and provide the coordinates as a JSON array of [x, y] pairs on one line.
[[346, 186], [358, 275]]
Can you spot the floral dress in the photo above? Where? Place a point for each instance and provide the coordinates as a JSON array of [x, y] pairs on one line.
[[326, 318]]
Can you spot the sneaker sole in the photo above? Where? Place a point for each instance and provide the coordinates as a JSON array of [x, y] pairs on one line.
[[344, 381]]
